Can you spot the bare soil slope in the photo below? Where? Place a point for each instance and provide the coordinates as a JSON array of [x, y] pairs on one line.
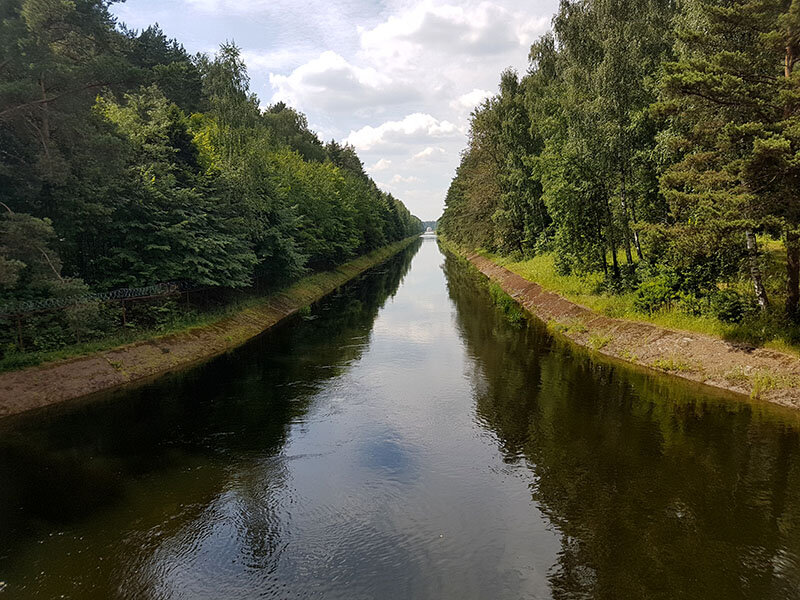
[[40, 386], [757, 372]]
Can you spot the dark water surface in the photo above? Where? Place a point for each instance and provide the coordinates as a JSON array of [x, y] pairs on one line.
[[404, 441]]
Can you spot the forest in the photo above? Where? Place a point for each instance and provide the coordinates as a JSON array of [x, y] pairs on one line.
[[126, 162], [647, 163]]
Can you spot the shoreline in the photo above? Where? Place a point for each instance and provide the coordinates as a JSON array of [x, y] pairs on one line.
[[759, 373], [70, 379]]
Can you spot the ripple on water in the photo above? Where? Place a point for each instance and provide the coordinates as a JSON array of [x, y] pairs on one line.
[[390, 458]]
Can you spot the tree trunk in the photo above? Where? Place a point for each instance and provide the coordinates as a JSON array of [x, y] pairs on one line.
[[628, 253], [792, 274], [611, 237], [44, 131], [20, 342], [636, 241], [602, 248], [792, 241], [638, 244], [624, 202], [755, 270]]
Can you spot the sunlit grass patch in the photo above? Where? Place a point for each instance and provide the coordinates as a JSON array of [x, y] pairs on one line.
[[506, 304], [598, 341], [760, 381], [672, 365], [588, 290]]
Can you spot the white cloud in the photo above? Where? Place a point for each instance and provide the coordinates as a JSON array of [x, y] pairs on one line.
[[413, 128], [396, 78], [480, 30], [429, 152], [471, 99], [400, 179], [531, 29], [268, 61], [330, 83], [381, 165], [229, 6]]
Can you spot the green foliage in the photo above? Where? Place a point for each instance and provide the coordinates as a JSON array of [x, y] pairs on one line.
[[672, 365], [47, 338], [506, 304], [651, 144], [690, 313], [598, 342], [126, 162], [654, 295], [172, 224], [729, 306], [562, 159]]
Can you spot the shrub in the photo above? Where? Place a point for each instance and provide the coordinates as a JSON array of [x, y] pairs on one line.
[[691, 304], [729, 306], [654, 295]]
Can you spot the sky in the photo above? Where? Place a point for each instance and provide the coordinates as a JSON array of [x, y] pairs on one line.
[[395, 78]]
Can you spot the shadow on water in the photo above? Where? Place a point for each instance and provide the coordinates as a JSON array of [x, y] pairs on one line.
[[658, 488], [67, 463]]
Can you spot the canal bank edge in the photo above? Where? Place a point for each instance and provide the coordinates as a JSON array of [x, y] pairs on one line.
[[757, 372], [52, 383]]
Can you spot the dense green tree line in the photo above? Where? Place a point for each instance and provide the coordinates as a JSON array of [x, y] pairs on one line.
[[656, 141], [125, 161]]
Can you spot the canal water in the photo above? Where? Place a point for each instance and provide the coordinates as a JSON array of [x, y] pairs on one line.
[[406, 439]]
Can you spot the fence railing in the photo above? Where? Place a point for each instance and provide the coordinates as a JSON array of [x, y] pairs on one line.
[[18, 312], [13, 309]]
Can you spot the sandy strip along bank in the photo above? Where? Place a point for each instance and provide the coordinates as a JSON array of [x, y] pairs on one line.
[[757, 372], [47, 384]]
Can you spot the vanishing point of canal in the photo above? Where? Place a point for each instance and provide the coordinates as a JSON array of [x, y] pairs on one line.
[[403, 440]]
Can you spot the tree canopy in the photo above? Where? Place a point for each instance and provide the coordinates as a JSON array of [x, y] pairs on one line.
[[654, 141], [133, 162]]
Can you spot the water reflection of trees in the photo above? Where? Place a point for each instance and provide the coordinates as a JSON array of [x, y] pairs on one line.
[[658, 490], [70, 462]]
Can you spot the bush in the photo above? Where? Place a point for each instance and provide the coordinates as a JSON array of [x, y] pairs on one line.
[[654, 295], [692, 304], [543, 243], [729, 306]]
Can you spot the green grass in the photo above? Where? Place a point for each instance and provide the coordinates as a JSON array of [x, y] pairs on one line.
[[19, 360], [512, 311], [760, 381], [303, 292], [598, 342], [672, 365]]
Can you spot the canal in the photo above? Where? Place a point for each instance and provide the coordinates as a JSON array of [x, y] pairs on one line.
[[404, 439]]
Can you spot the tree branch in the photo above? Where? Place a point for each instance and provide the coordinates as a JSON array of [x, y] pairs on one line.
[[88, 86], [49, 262]]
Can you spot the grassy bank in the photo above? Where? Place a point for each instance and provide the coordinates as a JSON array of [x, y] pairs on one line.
[[303, 292], [769, 330], [584, 319]]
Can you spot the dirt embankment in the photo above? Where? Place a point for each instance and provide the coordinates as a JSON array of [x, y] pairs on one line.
[[40, 386], [757, 372]]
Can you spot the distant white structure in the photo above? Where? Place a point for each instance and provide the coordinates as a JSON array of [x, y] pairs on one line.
[[429, 232]]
